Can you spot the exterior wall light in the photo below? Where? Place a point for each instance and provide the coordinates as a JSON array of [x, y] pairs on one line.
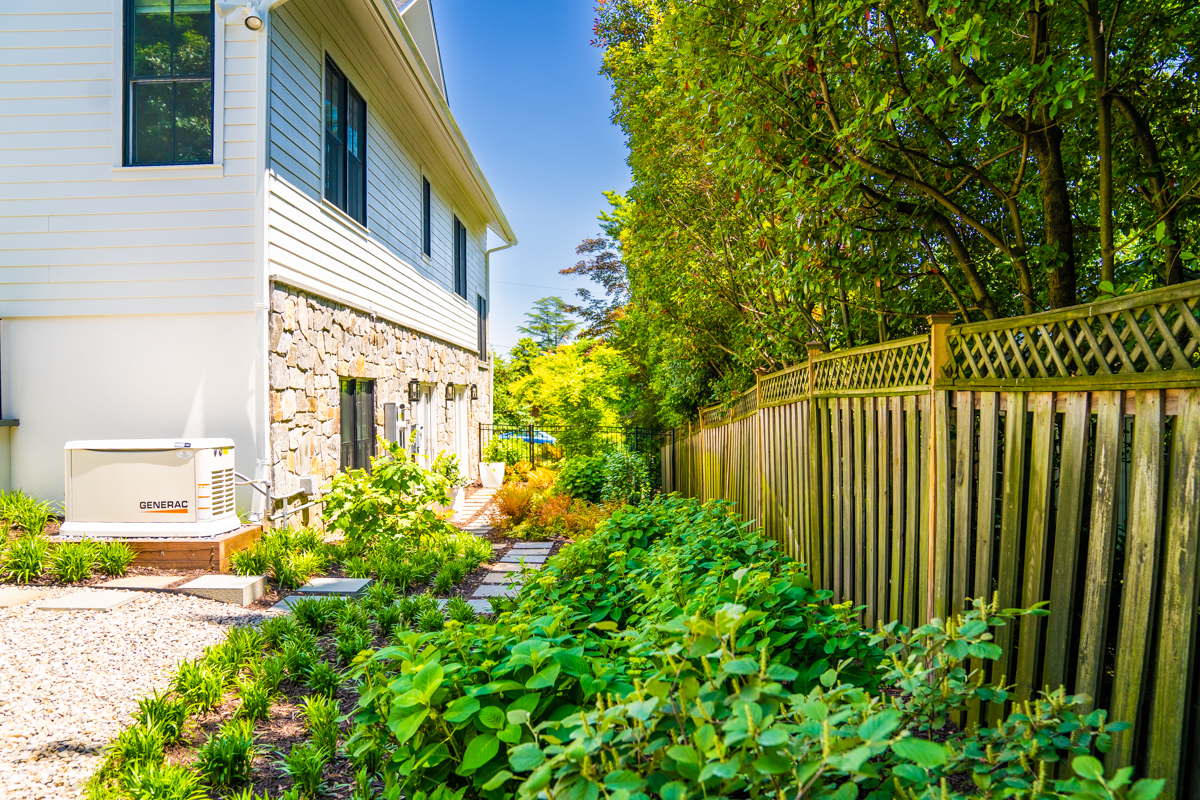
[[253, 21], [414, 391], [474, 392], [449, 392]]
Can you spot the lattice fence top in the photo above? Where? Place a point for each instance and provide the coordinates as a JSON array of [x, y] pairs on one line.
[[713, 417], [746, 405], [1113, 341], [902, 365], [785, 386]]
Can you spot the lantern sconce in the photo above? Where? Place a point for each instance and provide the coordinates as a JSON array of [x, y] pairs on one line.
[[414, 391], [449, 392], [474, 392]]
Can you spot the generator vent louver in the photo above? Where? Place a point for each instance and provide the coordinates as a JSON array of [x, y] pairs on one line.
[[222, 492]]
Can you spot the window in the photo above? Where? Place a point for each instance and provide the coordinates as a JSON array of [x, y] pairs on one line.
[[460, 259], [426, 219], [345, 145], [357, 413], [481, 307], [168, 82]]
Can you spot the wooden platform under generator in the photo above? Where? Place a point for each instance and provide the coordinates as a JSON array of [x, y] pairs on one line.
[[210, 553]]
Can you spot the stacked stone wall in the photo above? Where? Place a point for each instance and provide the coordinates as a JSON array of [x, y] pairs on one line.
[[314, 342]]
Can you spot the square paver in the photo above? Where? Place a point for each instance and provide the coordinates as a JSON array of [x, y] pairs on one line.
[[495, 590], [87, 601], [502, 577], [15, 597], [530, 551], [285, 605], [241, 590], [515, 558], [151, 583], [329, 586]]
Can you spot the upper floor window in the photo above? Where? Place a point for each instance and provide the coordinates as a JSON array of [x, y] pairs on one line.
[[345, 145], [426, 218], [169, 82], [481, 308], [460, 258]]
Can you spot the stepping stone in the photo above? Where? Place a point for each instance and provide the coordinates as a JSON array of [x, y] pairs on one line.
[[350, 587], [492, 590], [145, 583], [284, 606], [241, 590], [530, 551], [516, 558], [502, 577], [15, 597], [505, 565], [534, 544], [87, 601], [480, 606]]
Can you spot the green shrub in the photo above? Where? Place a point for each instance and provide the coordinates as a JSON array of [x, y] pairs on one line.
[[25, 512], [388, 617], [460, 610], [114, 558], [163, 782], [323, 678], [409, 607], [136, 746], [353, 614], [253, 560], [357, 567], [626, 477], [379, 595], [201, 686], [227, 758], [256, 699], [276, 629], [582, 477], [510, 451], [431, 619], [72, 562], [447, 468], [164, 713], [305, 765], [314, 613], [299, 657], [321, 714], [26, 558], [270, 671], [678, 654], [351, 640]]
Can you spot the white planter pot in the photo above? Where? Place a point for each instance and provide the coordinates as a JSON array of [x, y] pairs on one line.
[[458, 497], [491, 474]]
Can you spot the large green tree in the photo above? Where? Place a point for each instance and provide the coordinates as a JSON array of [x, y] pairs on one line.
[[834, 171]]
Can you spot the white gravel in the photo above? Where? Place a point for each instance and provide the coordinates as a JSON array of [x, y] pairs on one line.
[[69, 681]]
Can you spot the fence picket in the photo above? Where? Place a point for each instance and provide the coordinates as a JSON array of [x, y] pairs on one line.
[[912, 506], [883, 501], [1037, 544], [859, 560], [964, 487], [895, 609], [939, 562], [1007, 577]]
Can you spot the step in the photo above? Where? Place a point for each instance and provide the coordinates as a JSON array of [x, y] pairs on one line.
[[240, 590]]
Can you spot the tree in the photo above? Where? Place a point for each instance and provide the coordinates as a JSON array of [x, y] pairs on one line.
[[604, 266], [837, 170], [548, 324]]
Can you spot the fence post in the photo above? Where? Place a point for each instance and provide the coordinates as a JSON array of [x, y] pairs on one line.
[[940, 490], [816, 557]]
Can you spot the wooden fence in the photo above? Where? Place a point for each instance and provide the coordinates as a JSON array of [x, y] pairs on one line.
[[1053, 457]]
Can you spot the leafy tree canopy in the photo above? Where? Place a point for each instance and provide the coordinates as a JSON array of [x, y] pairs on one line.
[[835, 171], [580, 384], [548, 324]]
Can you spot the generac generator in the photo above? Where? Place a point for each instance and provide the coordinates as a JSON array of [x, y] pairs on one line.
[[153, 488]]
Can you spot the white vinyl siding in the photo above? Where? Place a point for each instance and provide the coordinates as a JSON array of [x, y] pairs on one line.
[[80, 237], [311, 246]]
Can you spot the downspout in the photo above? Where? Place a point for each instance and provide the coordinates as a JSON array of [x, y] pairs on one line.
[[256, 16], [487, 274]]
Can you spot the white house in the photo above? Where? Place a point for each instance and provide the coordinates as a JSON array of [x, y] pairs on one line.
[[258, 222]]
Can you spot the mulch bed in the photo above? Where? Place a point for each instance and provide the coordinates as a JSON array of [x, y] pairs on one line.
[[47, 581]]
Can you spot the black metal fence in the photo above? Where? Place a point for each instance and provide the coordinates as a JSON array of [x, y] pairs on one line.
[[547, 443]]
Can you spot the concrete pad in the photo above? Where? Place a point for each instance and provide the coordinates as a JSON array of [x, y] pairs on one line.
[[15, 597], [330, 586], [241, 590], [285, 605], [87, 601], [502, 577], [493, 590], [142, 582], [517, 558]]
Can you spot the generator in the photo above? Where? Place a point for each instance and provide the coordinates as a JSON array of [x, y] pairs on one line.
[[152, 488]]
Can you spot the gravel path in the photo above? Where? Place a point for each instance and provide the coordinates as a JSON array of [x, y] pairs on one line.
[[70, 679]]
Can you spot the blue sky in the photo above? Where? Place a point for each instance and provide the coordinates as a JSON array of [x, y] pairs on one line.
[[523, 83]]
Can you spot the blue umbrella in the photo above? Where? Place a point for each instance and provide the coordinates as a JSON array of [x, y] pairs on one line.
[[539, 437]]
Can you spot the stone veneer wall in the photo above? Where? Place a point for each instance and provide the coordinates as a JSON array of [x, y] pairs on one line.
[[314, 342]]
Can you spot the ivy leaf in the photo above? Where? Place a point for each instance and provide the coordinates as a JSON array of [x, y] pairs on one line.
[[925, 753], [481, 750]]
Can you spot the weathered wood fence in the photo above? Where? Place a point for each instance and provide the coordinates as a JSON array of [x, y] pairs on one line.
[[1053, 457]]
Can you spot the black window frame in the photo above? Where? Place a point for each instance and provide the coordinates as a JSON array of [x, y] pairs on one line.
[[426, 217], [481, 308], [459, 232], [130, 80], [344, 184], [356, 421]]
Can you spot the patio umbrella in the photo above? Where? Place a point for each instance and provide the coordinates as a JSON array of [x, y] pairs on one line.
[[539, 437]]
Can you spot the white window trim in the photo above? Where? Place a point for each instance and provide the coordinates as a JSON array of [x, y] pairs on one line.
[[123, 172]]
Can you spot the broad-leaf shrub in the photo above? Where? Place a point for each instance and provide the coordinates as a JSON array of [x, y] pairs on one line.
[[626, 476], [677, 654], [582, 477]]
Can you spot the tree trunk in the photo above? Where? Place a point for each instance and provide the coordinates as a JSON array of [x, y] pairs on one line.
[[1046, 145], [1099, 48]]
